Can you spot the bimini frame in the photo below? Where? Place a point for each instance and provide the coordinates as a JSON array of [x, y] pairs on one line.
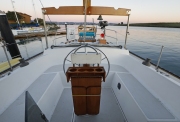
[[86, 9]]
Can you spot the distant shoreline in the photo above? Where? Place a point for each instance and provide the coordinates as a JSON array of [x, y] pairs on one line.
[[163, 25]]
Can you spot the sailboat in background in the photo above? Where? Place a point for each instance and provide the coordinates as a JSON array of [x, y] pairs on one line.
[[25, 30], [37, 23]]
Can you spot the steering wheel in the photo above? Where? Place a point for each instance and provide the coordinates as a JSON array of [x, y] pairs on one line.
[[84, 46]]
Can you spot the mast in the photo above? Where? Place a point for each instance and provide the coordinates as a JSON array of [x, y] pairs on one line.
[[15, 12], [35, 12], [85, 10]]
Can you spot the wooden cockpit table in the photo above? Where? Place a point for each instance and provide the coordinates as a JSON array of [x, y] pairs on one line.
[[86, 88]]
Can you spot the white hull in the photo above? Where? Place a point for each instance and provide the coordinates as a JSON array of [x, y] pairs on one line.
[[145, 95], [27, 30]]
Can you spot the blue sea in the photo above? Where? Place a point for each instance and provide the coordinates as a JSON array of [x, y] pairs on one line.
[[143, 41]]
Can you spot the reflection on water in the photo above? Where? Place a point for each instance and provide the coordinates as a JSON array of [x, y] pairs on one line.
[[28, 40], [143, 41], [27, 47], [30, 47], [147, 42]]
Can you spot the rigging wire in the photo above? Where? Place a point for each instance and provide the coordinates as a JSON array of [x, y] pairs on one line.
[[47, 14], [149, 43], [15, 12], [145, 42], [154, 44], [139, 40], [35, 12], [172, 50]]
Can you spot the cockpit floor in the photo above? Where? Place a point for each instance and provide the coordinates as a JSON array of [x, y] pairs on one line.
[[109, 109]]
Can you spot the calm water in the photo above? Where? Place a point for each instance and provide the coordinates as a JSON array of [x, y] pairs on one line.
[[147, 42], [143, 41]]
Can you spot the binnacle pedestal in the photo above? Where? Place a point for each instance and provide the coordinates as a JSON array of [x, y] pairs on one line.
[[86, 88]]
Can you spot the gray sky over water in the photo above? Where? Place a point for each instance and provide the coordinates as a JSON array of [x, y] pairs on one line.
[[141, 10]]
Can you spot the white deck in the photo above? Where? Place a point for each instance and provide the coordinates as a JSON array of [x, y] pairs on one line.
[[145, 95]]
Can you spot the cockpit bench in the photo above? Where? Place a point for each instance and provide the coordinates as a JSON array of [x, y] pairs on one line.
[[42, 93], [136, 100]]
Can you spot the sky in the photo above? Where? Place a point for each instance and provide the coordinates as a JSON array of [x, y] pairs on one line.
[[142, 11]]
